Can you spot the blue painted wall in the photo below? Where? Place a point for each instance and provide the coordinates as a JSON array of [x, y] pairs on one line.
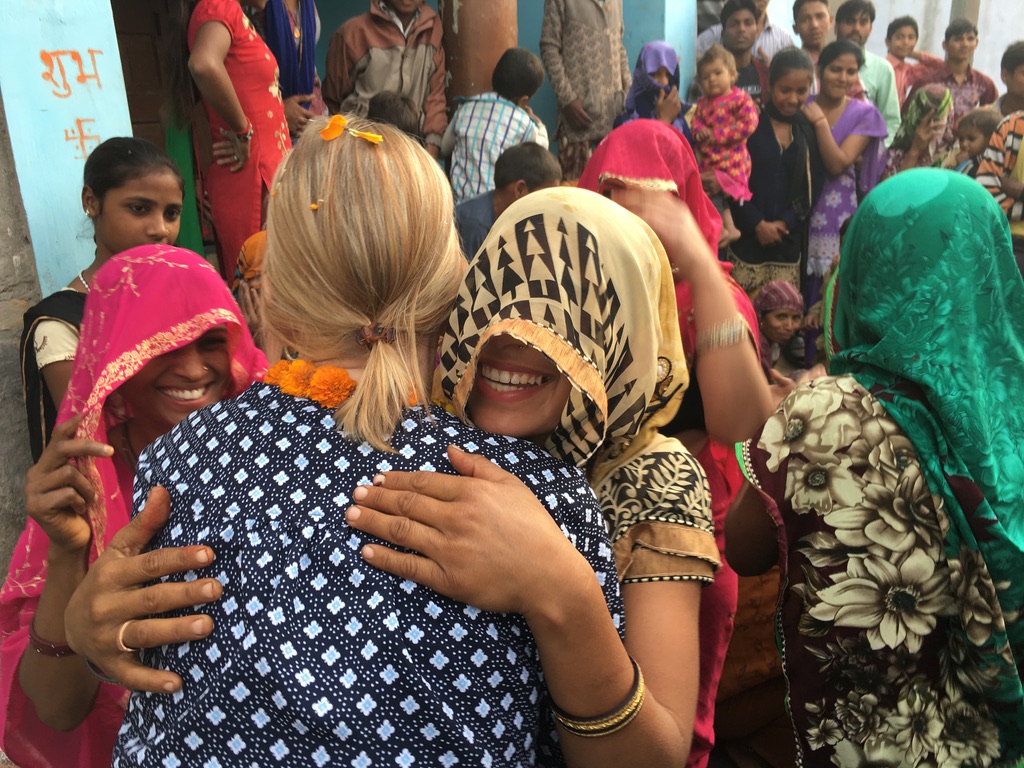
[[644, 20], [63, 91]]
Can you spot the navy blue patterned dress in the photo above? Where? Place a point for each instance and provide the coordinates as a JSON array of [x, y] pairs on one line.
[[317, 658]]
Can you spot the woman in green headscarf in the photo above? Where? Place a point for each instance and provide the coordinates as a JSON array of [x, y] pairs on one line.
[[895, 492], [919, 142]]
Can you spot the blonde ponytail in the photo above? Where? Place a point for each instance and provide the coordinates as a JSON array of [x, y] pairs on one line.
[[362, 234]]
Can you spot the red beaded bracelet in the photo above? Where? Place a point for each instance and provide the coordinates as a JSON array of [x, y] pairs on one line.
[[45, 647]]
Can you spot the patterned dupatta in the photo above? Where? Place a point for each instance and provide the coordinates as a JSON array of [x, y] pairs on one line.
[[927, 312], [144, 303], [584, 281]]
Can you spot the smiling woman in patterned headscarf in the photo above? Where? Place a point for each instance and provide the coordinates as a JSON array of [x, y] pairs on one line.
[[565, 332], [895, 491]]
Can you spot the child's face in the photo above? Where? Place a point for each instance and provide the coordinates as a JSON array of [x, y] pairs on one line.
[[518, 391], [1014, 81], [857, 29], [779, 325], [972, 141], [661, 76], [716, 78], [790, 91], [902, 42], [961, 47], [812, 23]]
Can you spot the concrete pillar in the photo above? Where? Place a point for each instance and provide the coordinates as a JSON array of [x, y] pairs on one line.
[[965, 9], [19, 289], [476, 33]]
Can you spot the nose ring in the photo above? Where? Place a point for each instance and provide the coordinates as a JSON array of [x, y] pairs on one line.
[[206, 367]]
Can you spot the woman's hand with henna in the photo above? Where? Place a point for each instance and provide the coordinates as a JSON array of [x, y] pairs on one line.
[[56, 493], [482, 539], [117, 589]]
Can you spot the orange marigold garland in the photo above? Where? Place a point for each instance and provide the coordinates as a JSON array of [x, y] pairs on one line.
[[328, 385]]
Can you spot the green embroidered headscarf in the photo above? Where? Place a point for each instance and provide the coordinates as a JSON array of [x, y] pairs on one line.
[[927, 311]]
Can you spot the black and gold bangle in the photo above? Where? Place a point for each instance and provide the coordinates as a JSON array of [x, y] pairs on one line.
[[610, 722]]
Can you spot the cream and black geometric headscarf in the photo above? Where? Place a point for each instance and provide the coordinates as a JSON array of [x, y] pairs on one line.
[[587, 283]]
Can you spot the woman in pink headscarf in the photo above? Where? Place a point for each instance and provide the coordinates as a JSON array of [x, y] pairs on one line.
[[720, 340], [161, 338]]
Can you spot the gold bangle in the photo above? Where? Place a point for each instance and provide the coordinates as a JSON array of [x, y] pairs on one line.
[[610, 722], [725, 334]]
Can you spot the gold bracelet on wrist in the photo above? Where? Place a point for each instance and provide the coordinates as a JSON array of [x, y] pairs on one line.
[[610, 722], [724, 334]]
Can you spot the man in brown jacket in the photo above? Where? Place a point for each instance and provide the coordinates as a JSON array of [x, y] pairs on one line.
[[396, 46]]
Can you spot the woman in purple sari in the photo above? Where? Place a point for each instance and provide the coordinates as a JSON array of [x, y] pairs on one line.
[[851, 135]]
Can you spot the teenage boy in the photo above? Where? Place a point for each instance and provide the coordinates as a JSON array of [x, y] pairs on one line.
[[396, 46], [854, 21], [739, 33], [770, 38], [968, 87], [1001, 171], [812, 21], [901, 41], [520, 170], [1011, 70]]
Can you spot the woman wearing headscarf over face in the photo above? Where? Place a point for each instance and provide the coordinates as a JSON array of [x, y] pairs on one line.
[[570, 286], [919, 142], [719, 333], [654, 93], [894, 492]]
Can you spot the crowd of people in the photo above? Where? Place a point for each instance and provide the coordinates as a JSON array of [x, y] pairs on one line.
[[694, 444]]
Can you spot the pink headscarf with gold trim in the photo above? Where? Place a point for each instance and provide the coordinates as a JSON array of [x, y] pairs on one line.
[[143, 303]]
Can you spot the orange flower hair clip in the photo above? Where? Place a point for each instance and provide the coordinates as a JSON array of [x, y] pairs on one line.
[[339, 124]]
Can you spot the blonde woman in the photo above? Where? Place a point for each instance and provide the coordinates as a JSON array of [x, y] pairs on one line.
[[315, 656]]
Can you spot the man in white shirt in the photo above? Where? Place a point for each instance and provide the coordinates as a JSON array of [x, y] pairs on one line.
[[770, 38]]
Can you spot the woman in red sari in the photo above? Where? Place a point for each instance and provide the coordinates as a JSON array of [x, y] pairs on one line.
[[719, 331], [161, 338], [237, 78]]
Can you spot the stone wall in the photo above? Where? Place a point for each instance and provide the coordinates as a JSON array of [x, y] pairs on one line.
[[19, 289]]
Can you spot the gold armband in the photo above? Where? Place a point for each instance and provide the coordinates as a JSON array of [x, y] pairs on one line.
[[610, 722]]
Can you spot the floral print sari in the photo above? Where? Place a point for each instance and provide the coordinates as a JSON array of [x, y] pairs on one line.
[[898, 490]]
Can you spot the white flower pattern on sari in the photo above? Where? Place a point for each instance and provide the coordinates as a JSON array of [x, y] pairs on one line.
[[884, 628]]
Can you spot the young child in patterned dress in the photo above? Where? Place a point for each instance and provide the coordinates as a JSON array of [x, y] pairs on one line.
[[724, 118]]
